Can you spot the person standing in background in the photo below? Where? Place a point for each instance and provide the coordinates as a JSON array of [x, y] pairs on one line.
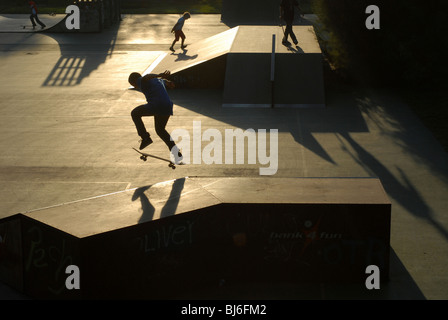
[[287, 14]]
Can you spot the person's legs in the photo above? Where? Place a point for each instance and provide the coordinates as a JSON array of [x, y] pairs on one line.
[[293, 37], [40, 22], [32, 20], [286, 32], [290, 32], [137, 113], [182, 36], [160, 124], [176, 38], [172, 45]]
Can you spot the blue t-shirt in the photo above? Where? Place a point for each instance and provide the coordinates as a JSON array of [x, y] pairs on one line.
[[158, 99], [180, 24]]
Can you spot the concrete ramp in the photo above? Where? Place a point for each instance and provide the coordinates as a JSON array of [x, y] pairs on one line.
[[90, 21], [161, 240], [94, 17], [18, 23], [258, 76], [14, 23], [201, 64], [242, 61], [195, 53]]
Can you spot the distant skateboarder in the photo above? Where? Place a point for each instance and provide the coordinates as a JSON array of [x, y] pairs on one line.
[[287, 14], [33, 17], [159, 105], [177, 30]]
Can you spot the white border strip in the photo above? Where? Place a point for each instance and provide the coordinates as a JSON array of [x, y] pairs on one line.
[[155, 63]]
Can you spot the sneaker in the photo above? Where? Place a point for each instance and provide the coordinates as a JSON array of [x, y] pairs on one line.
[[184, 46], [178, 157], [145, 142], [286, 43], [172, 49]]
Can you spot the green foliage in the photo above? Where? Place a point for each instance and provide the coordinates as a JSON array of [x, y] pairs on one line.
[[128, 6], [171, 6], [409, 48], [44, 6]]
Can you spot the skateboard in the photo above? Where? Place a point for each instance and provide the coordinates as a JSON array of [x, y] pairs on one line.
[[144, 156], [36, 28]]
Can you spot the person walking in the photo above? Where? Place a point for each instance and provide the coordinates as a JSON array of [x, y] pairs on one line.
[[177, 30], [287, 14], [33, 17], [159, 105]]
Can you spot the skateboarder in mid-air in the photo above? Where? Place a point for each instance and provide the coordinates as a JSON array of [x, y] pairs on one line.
[[287, 14], [159, 105], [177, 30]]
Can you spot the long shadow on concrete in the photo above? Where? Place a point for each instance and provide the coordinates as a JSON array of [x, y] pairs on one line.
[[301, 123], [404, 193], [342, 117], [81, 54], [345, 115], [169, 207]]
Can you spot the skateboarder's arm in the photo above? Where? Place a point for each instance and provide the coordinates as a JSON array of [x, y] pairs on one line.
[[174, 27], [163, 75]]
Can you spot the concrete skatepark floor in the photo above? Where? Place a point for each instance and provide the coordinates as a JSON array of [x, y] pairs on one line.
[[67, 135]]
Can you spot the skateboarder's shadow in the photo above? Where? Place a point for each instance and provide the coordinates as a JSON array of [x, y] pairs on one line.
[[169, 207], [147, 208], [182, 56]]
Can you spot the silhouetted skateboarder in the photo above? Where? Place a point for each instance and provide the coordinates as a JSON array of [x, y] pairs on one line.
[[33, 17], [159, 105], [177, 30]]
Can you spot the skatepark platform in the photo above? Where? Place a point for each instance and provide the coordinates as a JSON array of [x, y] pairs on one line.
[[78, 145], [159, 240], [252, 66]]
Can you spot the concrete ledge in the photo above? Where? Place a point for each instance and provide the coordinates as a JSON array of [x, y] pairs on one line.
[[157, 240], [239, 61], [298, 74]]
